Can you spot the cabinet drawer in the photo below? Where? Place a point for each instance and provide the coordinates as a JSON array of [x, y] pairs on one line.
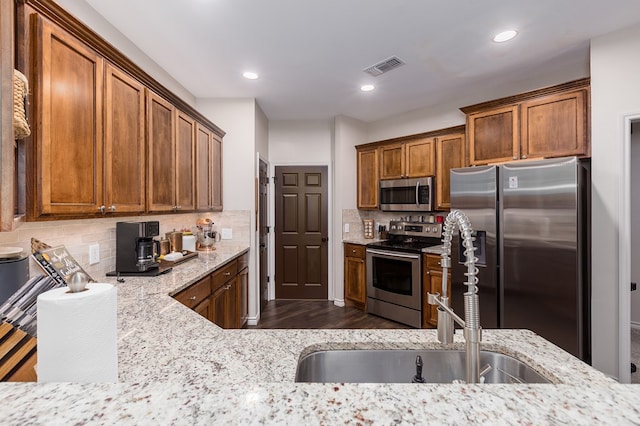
[[433, 262], [354, 250], [243, 261], [195, 294], [224, 274]]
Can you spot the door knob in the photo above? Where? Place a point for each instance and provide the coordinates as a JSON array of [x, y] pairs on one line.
[[262, 245], [324, 239]]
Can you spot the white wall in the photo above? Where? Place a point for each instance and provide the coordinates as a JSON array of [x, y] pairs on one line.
[[87, 15], [300, 142], [635, 223], [615, 66]]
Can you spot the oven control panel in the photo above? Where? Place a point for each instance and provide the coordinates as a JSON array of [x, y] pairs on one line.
[[415, 229]]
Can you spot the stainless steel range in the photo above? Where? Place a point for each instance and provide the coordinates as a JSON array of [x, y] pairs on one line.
[[394, 271]]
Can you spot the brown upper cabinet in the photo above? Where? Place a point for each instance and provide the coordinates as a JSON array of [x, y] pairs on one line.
[[428, 154], [550, 122], [161, 126], [106, 137], [368, 167], [69, 137], [124, 142], [414, 158], [449, 155], [208, 170]]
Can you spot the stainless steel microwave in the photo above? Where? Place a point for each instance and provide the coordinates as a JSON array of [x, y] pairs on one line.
[[407, 195]]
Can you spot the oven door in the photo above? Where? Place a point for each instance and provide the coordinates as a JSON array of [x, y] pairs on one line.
[[395, 277]]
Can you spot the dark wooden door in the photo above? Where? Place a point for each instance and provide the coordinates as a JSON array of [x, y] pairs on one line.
[[301, 232], [263, 230]]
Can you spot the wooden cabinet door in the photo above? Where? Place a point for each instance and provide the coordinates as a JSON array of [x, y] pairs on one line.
[[217, 306], [449, 155], [203, 308], [216, 174], [185, 146], [204, 152], [555, 126], [231, 314], [124, 142], [161, 154], [493, 135], [243, 296], [68, 138], [392, 161], [368, 178], [420, 158], [354, 281], [432, 283]]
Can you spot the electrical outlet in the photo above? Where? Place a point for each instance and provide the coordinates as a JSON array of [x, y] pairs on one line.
[[226, 233], [94, 254]]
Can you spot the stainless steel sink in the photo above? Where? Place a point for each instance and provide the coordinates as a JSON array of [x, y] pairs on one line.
[[399, 366]]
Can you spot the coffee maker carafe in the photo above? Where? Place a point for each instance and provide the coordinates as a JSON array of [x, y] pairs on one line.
[[136, 250]]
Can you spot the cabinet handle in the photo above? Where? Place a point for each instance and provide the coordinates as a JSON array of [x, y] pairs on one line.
[[112, 208], [515, 158], [175, 208], [102, 209], [353, 251], [179, 207], [227, 287], [192, 298], [524, 157], [227, 274]]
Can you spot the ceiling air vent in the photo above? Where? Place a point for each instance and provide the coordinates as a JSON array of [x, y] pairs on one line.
[[384, 66]]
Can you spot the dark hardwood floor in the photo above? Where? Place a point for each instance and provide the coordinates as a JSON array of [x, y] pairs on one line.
[[318, 314]]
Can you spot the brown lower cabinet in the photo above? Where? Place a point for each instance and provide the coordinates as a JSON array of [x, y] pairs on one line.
[[355, 291], [222, 296], [432, 283]]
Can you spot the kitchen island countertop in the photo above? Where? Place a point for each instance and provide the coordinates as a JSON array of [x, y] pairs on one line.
[[175, 367]]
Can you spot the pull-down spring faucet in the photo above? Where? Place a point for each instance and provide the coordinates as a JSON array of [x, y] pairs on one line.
[[446, 316]]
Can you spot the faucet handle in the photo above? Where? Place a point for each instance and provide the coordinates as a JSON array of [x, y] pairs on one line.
[[432, 299]]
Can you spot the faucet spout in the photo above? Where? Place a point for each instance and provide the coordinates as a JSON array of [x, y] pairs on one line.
[[456, 219]]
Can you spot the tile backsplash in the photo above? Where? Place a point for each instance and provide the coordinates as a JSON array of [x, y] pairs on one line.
[[354, 219], [78, 235]]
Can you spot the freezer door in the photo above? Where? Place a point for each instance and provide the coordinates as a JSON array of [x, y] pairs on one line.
[[542, 279], [474, 191]]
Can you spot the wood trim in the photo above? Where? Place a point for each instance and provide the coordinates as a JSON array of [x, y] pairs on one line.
[[7, 150], [68, 22], [510, 100], [430, 134]]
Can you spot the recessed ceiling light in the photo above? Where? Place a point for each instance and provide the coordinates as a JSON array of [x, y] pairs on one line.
[[505, 36], [367, 87], [250, 75]]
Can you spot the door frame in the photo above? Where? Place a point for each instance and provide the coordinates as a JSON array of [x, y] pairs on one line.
[[255, 297], [272, 255], [624, 252]]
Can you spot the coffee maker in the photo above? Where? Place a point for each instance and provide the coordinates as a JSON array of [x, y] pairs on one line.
[[136, 250]]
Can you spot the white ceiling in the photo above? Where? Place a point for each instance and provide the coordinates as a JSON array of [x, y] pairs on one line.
[[310, 53]]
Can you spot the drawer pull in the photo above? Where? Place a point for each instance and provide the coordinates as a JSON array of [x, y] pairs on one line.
[[192, 298], [353, 251], [227, 274]]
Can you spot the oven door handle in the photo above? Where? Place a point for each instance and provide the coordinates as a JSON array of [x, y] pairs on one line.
[[393, 254]]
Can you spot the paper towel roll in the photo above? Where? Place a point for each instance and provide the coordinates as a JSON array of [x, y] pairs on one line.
[[77, 335]]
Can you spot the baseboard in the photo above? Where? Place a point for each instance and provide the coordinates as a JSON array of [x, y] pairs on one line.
[[635, 325], [253, 320], [338, 302]]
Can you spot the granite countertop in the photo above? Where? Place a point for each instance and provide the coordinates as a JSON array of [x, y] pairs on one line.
[[175, 367]]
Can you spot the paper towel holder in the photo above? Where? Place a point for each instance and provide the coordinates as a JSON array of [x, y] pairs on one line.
[[78, 282]]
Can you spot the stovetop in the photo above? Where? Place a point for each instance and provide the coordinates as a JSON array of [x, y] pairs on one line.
[[410, 237]]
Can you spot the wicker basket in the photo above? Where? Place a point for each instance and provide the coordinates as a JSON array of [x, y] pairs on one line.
[[20, 89]]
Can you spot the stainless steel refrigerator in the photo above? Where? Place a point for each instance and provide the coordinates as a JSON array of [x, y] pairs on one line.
[[532, 225]]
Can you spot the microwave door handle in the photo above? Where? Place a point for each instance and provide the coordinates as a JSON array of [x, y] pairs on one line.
[[417, 194]]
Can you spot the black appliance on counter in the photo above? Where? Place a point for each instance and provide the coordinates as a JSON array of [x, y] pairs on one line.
[[136, 250], [394, 271]]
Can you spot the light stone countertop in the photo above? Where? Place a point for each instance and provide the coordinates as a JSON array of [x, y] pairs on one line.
[[175, 367]]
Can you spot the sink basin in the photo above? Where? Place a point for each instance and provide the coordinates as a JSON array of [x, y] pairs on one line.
[[399, 366]]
